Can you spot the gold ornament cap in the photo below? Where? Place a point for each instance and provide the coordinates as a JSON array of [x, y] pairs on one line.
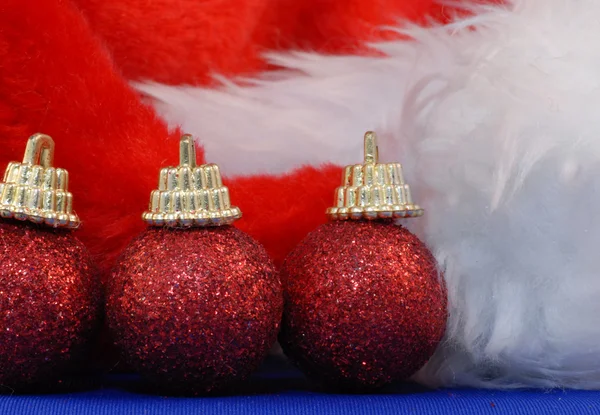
[[35, 191], [373, 190], [190, 195]]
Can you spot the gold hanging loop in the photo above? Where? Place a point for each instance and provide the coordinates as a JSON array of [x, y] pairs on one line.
[[371, 148], [39, 150], [187, 151]]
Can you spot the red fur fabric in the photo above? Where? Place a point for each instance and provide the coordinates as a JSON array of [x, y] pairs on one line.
[[56, 78], [280, 211], [64, 67], [187, 41]]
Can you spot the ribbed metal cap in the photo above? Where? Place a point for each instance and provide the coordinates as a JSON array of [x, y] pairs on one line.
[[35, 191], [190, 195], [373, 190]]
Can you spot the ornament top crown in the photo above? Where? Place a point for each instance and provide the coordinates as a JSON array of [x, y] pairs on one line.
[[35, 191], [190, 195], [373, 190]]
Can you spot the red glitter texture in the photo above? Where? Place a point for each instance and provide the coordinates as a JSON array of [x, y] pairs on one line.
[[50, 300], [194, 310], [364, 305]]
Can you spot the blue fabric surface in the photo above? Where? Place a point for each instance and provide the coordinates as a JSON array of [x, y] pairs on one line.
[[117, 402], [285, 392]]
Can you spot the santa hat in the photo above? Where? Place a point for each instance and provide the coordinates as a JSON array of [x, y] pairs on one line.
[[65, 71]]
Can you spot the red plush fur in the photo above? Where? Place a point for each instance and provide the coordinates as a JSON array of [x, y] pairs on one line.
[[337, 26], [187, 41], [178, 41], [56, 78], [280, 211]]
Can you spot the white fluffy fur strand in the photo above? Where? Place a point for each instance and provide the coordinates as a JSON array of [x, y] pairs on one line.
[[499, 135]]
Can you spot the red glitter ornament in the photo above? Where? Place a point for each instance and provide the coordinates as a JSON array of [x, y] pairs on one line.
[[364, 301], [194, 308], [50, 295]]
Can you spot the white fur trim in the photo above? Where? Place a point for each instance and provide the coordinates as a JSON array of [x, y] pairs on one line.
[[315, 113]]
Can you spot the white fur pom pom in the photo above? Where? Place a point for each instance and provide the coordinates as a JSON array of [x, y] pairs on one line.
[[498, 132], [506, 141]]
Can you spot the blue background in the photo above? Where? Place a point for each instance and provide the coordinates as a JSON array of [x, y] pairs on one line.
[[280, 389]]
